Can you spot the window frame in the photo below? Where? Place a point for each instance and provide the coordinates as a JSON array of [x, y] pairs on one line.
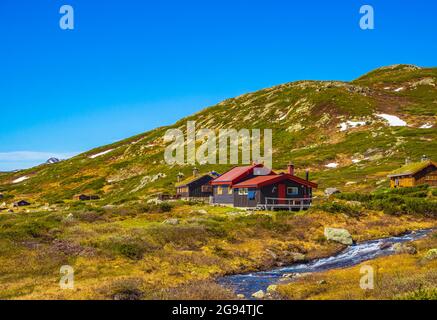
[[293, 193]]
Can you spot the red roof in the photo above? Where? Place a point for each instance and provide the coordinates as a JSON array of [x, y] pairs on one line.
[[235, 175], [261, 181]]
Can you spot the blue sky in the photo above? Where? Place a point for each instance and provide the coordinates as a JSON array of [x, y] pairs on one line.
[[129, 66]]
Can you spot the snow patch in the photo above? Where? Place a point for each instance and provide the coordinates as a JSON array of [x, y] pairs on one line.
[[356, 160], [332, 165], [399, 89], [21, 179], [351, 124], [426, 126], [100, 154], [393, 121]]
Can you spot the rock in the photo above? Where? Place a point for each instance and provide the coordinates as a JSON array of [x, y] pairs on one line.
[[259, 294], [331, 191], [241, 296], [403, 248], [272, 288], [301, 275], [431, 254], [172, 221], [288, 275], [154, 201], [322, 282], [386, 245], [297, 256], [69, 218], [339, 235], [202, 211]]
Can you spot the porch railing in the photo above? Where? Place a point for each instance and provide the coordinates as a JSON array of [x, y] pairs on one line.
[[286, 203]]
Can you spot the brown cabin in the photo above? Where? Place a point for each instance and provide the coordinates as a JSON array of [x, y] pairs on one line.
[[84, 197], [195, 187], [414, 174]]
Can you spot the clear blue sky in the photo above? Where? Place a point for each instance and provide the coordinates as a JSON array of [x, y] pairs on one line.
[[130, 66]]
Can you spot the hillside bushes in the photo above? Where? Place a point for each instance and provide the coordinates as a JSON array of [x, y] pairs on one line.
[[412, 200]]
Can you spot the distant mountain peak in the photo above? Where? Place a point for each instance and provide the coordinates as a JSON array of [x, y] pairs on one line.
[[52, 160]]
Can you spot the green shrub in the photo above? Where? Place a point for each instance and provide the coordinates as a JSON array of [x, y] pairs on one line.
[[130, 247], [355, 196]]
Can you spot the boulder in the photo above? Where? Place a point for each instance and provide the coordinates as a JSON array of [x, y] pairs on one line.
[[331, 191], [241, 296], [272, 288], [259, 294], [69, 218], [431, 254], [385, 245], [296, 256], [404, 248], [172, 221], [339, 235]]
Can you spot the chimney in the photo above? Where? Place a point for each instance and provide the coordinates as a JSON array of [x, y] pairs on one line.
[[290, 168], [407, 160], [180, 176], [195, 172], [425, 158], [307, 175]]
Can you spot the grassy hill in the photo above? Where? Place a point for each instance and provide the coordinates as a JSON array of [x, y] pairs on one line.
[[313, 124]]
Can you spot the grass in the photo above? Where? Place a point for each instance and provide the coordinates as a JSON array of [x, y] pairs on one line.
[[126, 253]]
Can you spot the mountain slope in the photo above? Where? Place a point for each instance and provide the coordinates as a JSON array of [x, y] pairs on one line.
[[314, 124]]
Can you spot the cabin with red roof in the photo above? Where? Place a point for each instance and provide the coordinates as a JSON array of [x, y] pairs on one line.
[[222, 186], [258, 187]]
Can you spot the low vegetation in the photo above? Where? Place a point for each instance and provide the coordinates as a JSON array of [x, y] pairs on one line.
[[168, 251]]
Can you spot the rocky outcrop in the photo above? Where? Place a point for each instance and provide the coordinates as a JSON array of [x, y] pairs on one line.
[[339, 235], [404, 248], [331, 191], [259, 294]]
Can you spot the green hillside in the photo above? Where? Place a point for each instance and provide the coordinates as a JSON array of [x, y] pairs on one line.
[[310, 127]]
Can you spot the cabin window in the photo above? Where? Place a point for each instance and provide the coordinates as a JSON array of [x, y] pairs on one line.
[[243, 191], [206, 188], [219, 190], [292, 191], [274, 189], [229, 190], [431, 178]]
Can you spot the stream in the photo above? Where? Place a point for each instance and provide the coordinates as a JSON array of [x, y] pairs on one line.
[[249, 283]]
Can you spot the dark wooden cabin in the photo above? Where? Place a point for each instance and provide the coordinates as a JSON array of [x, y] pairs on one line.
[[282, 191], [195, 187], [21, 203], [222, 186], [84, 197], [413, 174], [258, 187]]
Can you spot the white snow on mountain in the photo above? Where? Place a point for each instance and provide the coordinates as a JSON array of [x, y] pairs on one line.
[[100, 154], [393, 121], [21, 179]]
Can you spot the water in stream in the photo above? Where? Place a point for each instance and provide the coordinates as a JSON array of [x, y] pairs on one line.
[[249, 283]]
